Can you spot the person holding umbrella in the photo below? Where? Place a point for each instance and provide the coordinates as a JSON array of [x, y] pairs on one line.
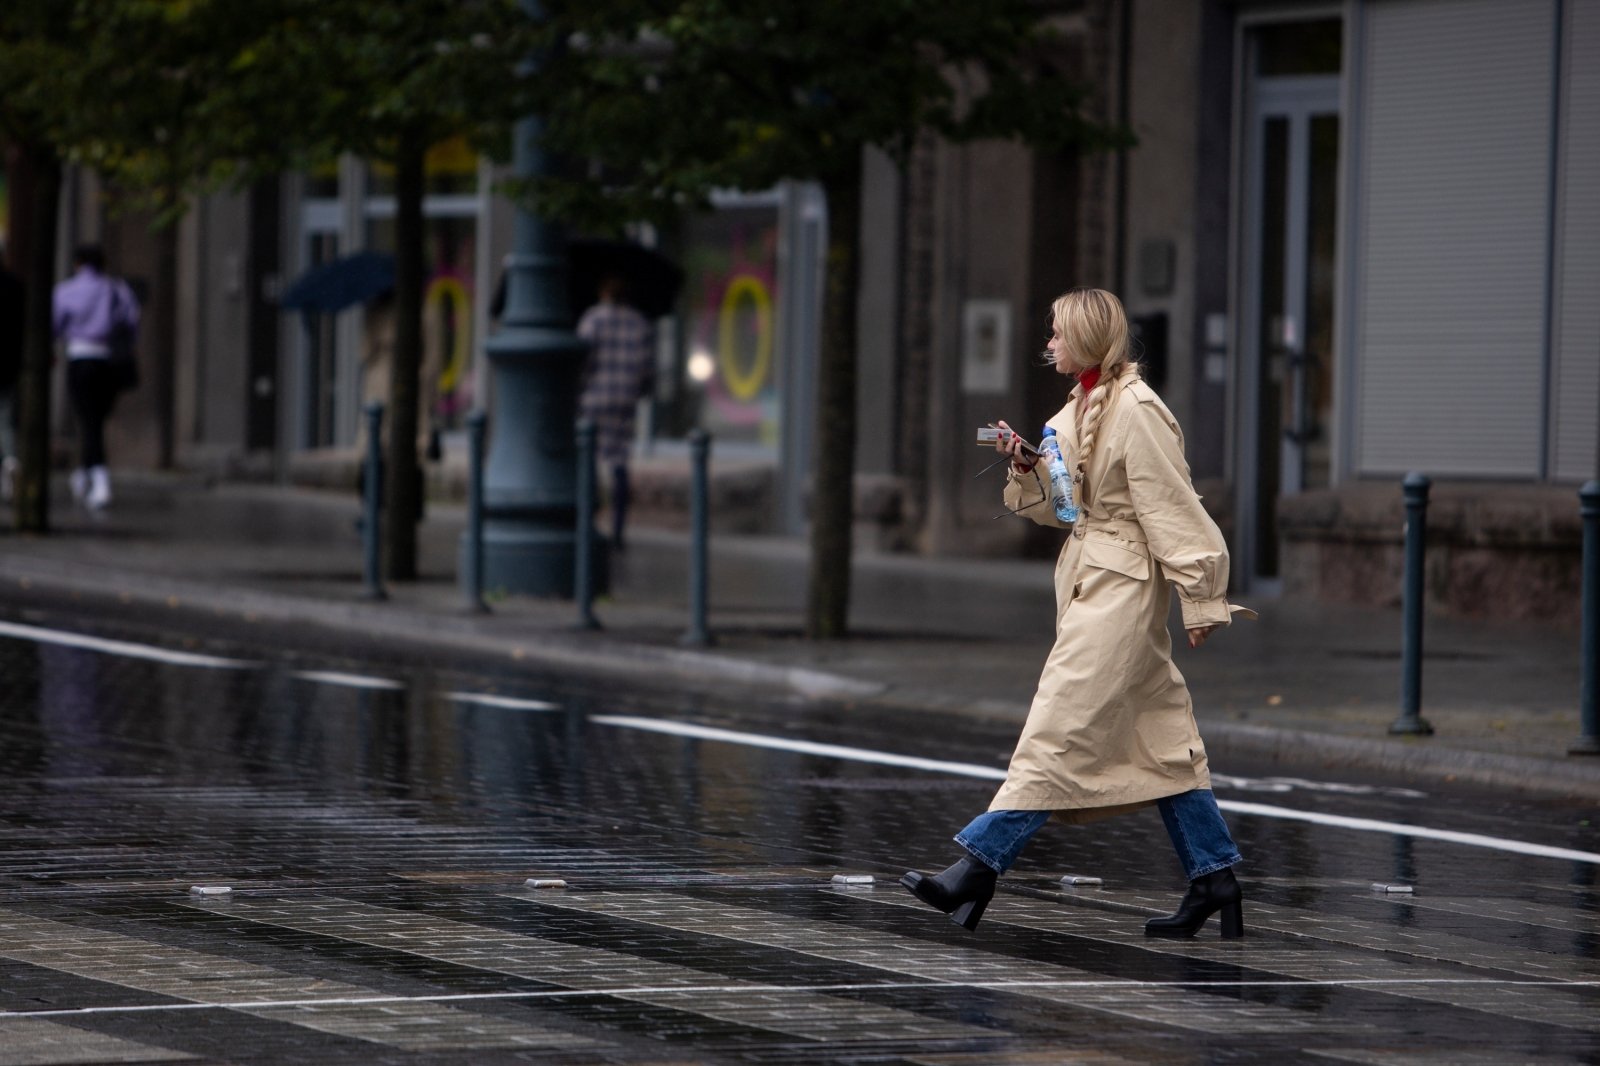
[[1112, 727], [621, 370]]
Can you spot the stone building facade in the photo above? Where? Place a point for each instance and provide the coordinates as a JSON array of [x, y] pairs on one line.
[[1357, 237]]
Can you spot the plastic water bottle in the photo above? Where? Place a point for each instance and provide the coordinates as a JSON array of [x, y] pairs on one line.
[[1060, 480]]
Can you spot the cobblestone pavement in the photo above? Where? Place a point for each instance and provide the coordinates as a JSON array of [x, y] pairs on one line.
[[377, 821]]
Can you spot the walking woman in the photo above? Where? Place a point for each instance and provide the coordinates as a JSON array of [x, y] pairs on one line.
[[93, 314], [1112, 727]]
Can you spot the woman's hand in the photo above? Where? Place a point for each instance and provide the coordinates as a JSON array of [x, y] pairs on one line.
[[1198, 635], [1010, 445]]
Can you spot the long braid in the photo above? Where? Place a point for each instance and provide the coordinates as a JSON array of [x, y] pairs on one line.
[[1094, 329], [1100, 400]]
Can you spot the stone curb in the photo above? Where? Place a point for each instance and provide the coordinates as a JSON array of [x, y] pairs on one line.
[[1416, 760], [85, 584]]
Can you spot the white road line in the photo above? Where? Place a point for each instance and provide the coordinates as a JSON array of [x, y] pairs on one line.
[[119, 647], [698, 990], [333, 677], [1305, 784], [1475, 840], [131, 650], [802, 747], [990, 773], [509, 703]]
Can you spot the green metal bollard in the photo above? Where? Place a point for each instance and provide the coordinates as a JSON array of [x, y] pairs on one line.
[[1588, 742], [1411, 721], [699, 635], [472, 540], [583, 570], [372, 503]]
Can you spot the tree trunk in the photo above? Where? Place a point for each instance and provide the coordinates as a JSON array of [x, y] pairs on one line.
[[35, 248], [402, 487], [833, 479]]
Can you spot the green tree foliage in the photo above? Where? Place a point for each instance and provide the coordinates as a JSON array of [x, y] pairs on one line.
[[166, 98], [172, 113], [668, 100], [135, 90]]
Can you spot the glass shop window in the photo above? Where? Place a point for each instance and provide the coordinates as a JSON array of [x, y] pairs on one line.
[[728, 365]]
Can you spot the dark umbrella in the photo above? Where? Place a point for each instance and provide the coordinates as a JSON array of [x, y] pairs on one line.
[[651, 279], [342, 282]]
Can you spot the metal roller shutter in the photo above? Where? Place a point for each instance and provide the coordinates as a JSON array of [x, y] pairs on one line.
[[1576, 327], [1452, 236]]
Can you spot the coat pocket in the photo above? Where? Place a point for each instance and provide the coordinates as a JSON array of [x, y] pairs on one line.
[[1109, 555]]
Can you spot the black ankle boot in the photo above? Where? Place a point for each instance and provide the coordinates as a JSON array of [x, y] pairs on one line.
[[963, 891], [1208, 894]]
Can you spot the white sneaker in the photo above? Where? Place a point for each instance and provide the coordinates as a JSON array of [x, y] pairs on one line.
[[99, 489], [79, 482], [8, 478]]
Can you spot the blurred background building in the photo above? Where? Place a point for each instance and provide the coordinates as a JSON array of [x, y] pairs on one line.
[[1357, 238]]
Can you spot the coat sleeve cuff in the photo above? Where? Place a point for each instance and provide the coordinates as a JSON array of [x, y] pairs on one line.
[[1197, 613]]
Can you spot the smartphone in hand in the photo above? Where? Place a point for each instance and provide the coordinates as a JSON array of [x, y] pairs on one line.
[[988, 435]]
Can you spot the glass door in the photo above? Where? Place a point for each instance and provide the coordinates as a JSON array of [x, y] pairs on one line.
[[1290, 223]]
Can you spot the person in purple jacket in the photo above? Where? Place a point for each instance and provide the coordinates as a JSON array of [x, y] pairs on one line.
[[92, 313]]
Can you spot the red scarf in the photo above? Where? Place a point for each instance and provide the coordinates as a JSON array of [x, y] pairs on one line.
[[1087, 378]]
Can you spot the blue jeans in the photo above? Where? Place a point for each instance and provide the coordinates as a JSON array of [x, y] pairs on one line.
[[1199, 835]]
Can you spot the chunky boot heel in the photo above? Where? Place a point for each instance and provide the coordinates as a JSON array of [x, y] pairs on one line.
[[1208, 894], [962, 891], [968, 914]]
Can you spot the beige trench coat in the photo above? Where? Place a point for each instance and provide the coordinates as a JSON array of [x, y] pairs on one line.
[[1112, 726]]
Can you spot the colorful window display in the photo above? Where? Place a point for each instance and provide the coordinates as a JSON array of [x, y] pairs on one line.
[[731, 359], [450, 247]]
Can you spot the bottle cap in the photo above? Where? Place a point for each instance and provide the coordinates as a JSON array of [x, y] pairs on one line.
[[1049, 431]]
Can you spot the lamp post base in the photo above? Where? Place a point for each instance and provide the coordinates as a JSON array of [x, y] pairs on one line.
[[1410, 727], [535, 561], [529, 561]]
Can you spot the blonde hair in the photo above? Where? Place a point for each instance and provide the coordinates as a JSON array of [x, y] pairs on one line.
[[1094, 330]]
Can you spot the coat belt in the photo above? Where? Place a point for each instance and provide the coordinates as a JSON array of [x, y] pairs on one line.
[[1123, 528]]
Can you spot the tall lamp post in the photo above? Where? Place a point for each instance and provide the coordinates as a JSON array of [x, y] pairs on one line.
[[530, 484]]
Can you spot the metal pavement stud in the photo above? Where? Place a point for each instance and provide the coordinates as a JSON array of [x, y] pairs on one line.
[[853, 879], [211, 890], [544, 882], [1081, 881], [1406, 890]]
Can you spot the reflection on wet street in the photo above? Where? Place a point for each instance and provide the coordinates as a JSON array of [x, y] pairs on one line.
[[376, 824]]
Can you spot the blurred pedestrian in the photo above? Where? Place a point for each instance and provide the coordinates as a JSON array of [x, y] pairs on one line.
[[378, 325], [1111, 728], [94, 316], [621, 370], [12, 309]]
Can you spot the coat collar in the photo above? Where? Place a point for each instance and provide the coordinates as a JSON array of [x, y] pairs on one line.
[[1123, 383], [1074, 425]]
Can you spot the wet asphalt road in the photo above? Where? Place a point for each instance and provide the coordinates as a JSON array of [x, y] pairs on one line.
[[376, 820]]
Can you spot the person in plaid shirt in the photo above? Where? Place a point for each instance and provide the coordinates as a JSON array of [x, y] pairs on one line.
[[621, 370]]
